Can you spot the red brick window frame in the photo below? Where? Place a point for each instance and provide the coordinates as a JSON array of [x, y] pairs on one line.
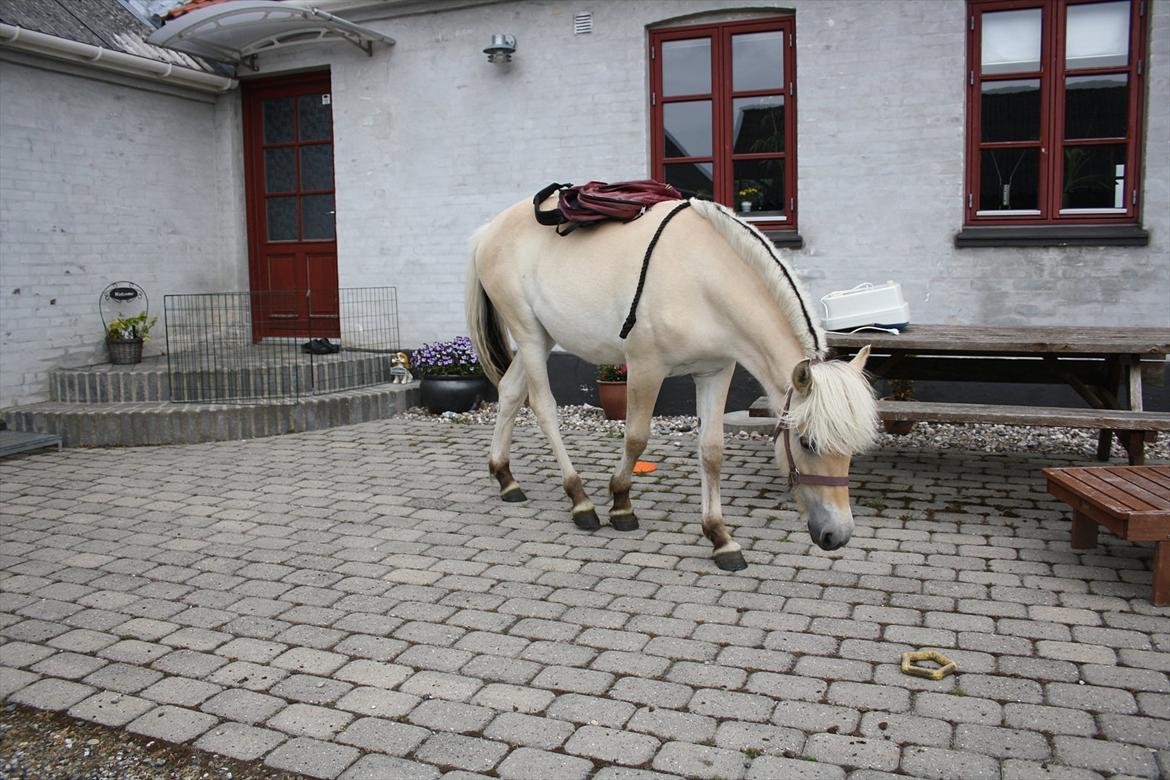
[[723, 115], [1054, 112]]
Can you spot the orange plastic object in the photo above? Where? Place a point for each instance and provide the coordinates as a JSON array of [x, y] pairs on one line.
[[644, 467]]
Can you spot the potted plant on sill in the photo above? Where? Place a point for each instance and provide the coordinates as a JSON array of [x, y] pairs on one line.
[[451, 378], [611, 386], [125, 336], [747, 198], [900, 390]]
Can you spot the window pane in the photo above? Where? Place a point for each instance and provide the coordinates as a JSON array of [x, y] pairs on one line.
[[686, 67], [318, 214], [1096, 106], [282, 219], [316, 117], [688, 128], [1011, 110], [1009, 179], [759, 124], [280, 175], [760, 183], [1011, 41], [317, 167], [278, 125], [1094, 177], [1097, 35], [692, 179], [757, 61]]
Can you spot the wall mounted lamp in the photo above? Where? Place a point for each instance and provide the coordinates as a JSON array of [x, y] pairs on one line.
[[502, 48]]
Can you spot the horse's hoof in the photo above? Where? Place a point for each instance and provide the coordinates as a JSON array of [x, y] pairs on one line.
[[626, 522], [514, 495], [731, 561], [587, 520]]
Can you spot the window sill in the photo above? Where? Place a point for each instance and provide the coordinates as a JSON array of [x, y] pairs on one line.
[[784, 239], [1052, 235]]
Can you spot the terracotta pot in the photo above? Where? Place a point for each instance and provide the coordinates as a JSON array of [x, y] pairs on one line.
[[452, 393], [613, 399], [898, 427]]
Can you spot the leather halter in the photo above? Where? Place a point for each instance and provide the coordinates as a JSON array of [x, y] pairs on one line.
[[794, 476]]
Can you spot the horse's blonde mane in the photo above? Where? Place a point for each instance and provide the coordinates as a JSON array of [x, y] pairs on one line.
[[838, 413], [760, 254]]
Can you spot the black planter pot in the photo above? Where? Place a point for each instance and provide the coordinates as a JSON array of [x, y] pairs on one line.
[[452, 393]]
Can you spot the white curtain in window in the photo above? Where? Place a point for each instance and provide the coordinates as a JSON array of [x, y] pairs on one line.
[[1011, 41], [1097, 35]]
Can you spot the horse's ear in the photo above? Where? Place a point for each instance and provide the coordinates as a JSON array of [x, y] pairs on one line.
[[802, 377], [859, 359]]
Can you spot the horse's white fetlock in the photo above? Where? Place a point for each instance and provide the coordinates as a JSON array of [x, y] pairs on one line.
[[730, 547]]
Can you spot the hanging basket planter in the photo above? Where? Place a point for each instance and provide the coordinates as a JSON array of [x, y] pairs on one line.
[[124, 352]]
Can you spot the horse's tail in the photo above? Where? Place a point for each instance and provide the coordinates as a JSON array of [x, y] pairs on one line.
[[488, 333]]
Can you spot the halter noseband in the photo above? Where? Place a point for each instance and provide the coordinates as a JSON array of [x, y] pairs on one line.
[[794, 476]]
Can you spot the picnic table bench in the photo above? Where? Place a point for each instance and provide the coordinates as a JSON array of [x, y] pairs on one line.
[[1105, 366], [1131, 501]]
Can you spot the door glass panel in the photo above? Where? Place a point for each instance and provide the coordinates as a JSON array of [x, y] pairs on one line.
[[280, 174], [278, 120], [1096, 106], [759, 185], [688, 128], [316, 117], [692, 179], [1011, 41], [757, 61], [759, 124], [1011, 110], [318, 216], [282, 219], [1094, 177], [1009, 179], [1097, 35], [686, 67], [317, 167]]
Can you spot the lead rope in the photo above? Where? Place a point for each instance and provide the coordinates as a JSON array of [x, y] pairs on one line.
[[633, 318]]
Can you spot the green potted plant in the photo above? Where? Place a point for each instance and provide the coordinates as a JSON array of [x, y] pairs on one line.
[[611, 387], [125, 336], [451, 377]]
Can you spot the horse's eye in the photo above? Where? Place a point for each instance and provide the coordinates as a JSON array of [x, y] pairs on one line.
[[806, 444]]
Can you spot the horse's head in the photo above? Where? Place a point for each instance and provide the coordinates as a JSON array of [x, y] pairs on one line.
[[830, 414]]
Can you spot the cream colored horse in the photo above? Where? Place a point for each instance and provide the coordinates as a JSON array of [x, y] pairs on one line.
[[716, 293]]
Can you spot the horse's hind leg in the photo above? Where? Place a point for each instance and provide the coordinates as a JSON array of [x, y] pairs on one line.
[[710, 398], [535, 357], [642, 388], [513, 390]]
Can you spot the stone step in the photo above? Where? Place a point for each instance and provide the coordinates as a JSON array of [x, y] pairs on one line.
[[164, 422]]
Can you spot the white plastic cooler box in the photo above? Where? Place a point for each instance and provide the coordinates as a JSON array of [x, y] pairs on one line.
[[866, 305]]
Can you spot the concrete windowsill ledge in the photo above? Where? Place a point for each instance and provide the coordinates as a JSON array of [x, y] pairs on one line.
[[1052, 235]]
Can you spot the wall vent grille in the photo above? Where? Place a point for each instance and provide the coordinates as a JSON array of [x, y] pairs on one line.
[[582, 23]]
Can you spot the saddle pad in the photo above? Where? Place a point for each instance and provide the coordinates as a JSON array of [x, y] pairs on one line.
[[598, 201]]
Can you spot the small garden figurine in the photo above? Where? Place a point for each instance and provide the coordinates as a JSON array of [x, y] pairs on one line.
[[400, 369]]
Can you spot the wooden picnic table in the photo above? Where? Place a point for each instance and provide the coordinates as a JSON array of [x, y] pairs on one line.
[[1104, 365]]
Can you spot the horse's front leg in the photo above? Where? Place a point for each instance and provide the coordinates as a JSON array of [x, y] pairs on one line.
[[642, 386], [710, 398], [544, 406], [513, 390]]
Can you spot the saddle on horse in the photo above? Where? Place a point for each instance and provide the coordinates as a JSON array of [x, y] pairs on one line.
[[589, 204]]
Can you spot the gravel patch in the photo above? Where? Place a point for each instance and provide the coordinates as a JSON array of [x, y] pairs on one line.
[[943, 436], [41, 745]]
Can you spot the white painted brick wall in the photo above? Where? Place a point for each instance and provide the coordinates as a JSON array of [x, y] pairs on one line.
[[432, 140], [101, 182]]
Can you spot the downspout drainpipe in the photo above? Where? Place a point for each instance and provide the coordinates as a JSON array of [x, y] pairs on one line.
[[116, 61]]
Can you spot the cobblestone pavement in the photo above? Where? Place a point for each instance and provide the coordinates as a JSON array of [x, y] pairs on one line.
[[357, 603]]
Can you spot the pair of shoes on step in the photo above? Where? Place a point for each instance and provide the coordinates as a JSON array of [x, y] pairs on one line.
[[320, 347]]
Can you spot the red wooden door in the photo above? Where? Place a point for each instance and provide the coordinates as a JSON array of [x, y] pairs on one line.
[[288, 165]]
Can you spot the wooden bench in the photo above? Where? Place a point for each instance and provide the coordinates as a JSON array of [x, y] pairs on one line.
[[1133, 428], [1131, 501]]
